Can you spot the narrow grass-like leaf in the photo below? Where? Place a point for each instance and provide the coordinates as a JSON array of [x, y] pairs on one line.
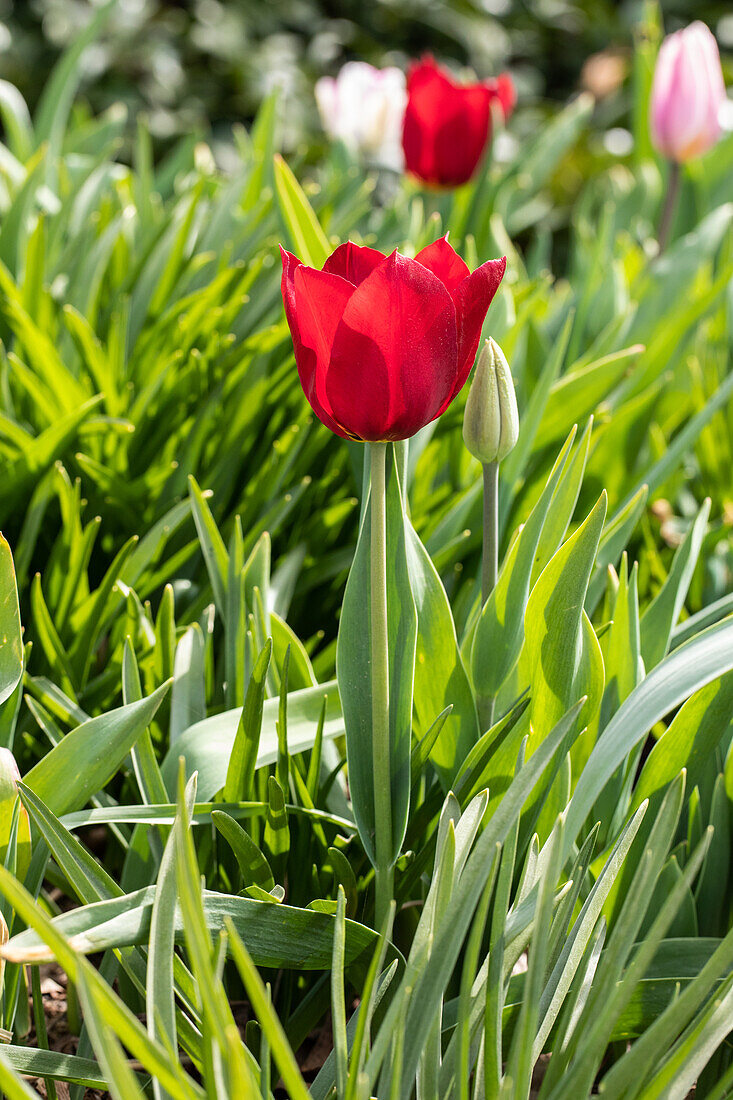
[[309, 241], [281, 1051], [243, 759]]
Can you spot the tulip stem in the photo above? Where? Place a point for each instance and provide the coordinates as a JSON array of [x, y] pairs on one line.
[[670, 203], [490, 563], [380, 685]]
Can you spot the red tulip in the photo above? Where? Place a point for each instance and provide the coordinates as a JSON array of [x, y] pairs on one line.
[[447, 125], [384, 343]]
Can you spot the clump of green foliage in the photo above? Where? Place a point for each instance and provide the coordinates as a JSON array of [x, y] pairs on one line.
[[181, 531]]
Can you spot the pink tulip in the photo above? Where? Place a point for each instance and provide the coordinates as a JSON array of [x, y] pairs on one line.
[[688, 94]]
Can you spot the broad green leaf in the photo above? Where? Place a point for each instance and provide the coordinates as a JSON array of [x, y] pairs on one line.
[[275, 935], [53, 1064], [683, 442], [516, 461], [277, 1040], [206, 965], [353, 665], [499, 633], [622, 672], [562, 505], [615, 536], [699, 726], [561, 977], [440, 678], [207, 746], [696, 1046], [561, 650], [713, 886], [684, 671], [87, 758]]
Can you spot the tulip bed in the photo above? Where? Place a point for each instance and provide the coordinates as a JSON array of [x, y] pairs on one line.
[[546, 790]]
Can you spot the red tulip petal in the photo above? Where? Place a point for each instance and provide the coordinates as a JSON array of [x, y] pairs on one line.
[[440, 258], [353, 262], [287, 285], [506, 93], [430, 93], [461, 140], [314, 302], [472, 299], [393, 359], [446, 126]]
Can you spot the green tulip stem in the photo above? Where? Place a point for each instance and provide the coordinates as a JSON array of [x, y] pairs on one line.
[[380, 685], [670, 202], [489, 563]]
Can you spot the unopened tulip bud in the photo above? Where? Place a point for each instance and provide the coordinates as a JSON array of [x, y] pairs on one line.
[[491, 420], [688, 94]]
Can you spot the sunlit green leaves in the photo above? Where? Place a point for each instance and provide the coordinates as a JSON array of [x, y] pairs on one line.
[[562, 656]]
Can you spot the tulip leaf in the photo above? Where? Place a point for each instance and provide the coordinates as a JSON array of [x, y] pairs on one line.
[[308, 239], [353, 667], [613, 540], [87, 758], [684, 671], [562, 655], [207, 746], [499, 634], [11, 642], [563, 503], [275, 935], [622, 669], [579, 392], [662, 614], [699, 726], [440, 678]]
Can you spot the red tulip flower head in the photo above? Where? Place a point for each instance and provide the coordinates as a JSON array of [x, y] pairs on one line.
[[447, 125], [384, 343]]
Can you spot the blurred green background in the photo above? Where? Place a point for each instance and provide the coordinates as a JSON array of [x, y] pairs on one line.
[[197, 64]]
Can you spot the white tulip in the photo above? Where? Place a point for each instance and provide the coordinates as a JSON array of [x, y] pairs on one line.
[[364, 107]]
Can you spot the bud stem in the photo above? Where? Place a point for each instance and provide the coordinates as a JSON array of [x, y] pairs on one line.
[[670, 202], [490, 562], [380, 685]]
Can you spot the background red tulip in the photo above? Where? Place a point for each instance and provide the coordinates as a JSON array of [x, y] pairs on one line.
[[447, 125], [384, 343]]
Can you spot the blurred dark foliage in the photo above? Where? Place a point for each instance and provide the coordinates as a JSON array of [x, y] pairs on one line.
[[199, 63]]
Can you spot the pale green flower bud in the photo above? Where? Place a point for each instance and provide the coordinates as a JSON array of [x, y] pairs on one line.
[[491, 420]]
